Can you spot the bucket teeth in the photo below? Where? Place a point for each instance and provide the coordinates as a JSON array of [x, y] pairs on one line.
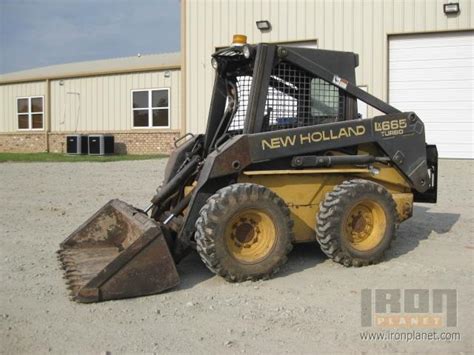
[[72, 285], [71, 275], [74, 278], [70, 281]]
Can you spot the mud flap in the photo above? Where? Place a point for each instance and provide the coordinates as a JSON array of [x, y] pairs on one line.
[[117, 253]]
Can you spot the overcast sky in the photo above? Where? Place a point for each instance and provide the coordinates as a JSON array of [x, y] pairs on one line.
[[36, 33]]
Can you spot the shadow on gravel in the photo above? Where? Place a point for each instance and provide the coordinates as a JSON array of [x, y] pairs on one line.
[[303, 256], [420, 227], [192, 271]]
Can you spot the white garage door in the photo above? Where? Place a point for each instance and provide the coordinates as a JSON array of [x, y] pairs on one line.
[[433, 75]]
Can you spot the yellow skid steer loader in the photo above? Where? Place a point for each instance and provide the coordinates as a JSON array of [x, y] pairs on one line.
[[285, 159]]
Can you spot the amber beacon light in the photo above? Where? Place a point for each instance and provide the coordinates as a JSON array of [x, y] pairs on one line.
[[239, 40]]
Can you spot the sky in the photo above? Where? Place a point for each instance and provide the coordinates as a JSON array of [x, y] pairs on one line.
[[36, 33]]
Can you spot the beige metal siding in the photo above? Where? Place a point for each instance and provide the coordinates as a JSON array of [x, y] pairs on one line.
[[350, 25], [103, 103], [8, 95]]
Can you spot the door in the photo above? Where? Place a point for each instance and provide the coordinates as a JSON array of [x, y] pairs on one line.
[[432, 75]]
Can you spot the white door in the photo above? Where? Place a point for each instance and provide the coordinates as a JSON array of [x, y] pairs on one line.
[[433, 75]]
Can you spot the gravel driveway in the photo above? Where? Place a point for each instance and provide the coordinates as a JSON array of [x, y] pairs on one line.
[[312, 305]]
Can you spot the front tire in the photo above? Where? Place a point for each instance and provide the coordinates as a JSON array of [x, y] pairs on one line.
[[356, 223], [244, 232]]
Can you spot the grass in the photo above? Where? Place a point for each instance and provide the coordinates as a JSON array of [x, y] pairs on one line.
[[58, 157]]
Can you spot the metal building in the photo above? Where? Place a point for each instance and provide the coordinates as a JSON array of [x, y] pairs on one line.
[[136, 99], [417, 55]]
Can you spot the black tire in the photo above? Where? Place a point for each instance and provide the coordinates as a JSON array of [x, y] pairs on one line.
[[335, 215], [217, 215]]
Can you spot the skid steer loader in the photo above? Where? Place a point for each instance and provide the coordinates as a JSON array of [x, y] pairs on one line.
[[285, 159]]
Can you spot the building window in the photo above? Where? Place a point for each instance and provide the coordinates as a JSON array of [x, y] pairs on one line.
[[150, 108], [30, 112]]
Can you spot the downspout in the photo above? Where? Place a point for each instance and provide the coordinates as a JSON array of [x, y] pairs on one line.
[[48, 114]]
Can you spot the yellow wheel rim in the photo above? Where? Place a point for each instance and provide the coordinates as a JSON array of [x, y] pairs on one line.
[[365, 225], [250, 235]]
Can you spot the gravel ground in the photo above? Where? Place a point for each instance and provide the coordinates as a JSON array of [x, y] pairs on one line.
[[313, 305]]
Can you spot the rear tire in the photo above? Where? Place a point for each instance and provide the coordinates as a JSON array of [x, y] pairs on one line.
[[244, 232], [356, 223]]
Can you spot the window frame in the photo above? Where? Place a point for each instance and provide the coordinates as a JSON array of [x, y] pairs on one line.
[[361, 104], [30, 113], [339, 106], [150, 108]]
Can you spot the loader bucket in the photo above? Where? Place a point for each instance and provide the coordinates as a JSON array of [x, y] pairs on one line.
[[118, 253]]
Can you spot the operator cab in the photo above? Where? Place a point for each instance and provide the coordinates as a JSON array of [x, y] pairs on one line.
[[293, 97]]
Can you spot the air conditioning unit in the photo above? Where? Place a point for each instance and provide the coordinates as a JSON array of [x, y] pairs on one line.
[[101, 144], [76, 144]]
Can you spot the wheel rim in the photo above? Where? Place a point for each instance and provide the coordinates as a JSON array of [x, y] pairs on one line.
[[250, 235], [365, 225]]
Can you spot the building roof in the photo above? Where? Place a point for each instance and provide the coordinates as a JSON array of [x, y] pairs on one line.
[[96, 67]]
